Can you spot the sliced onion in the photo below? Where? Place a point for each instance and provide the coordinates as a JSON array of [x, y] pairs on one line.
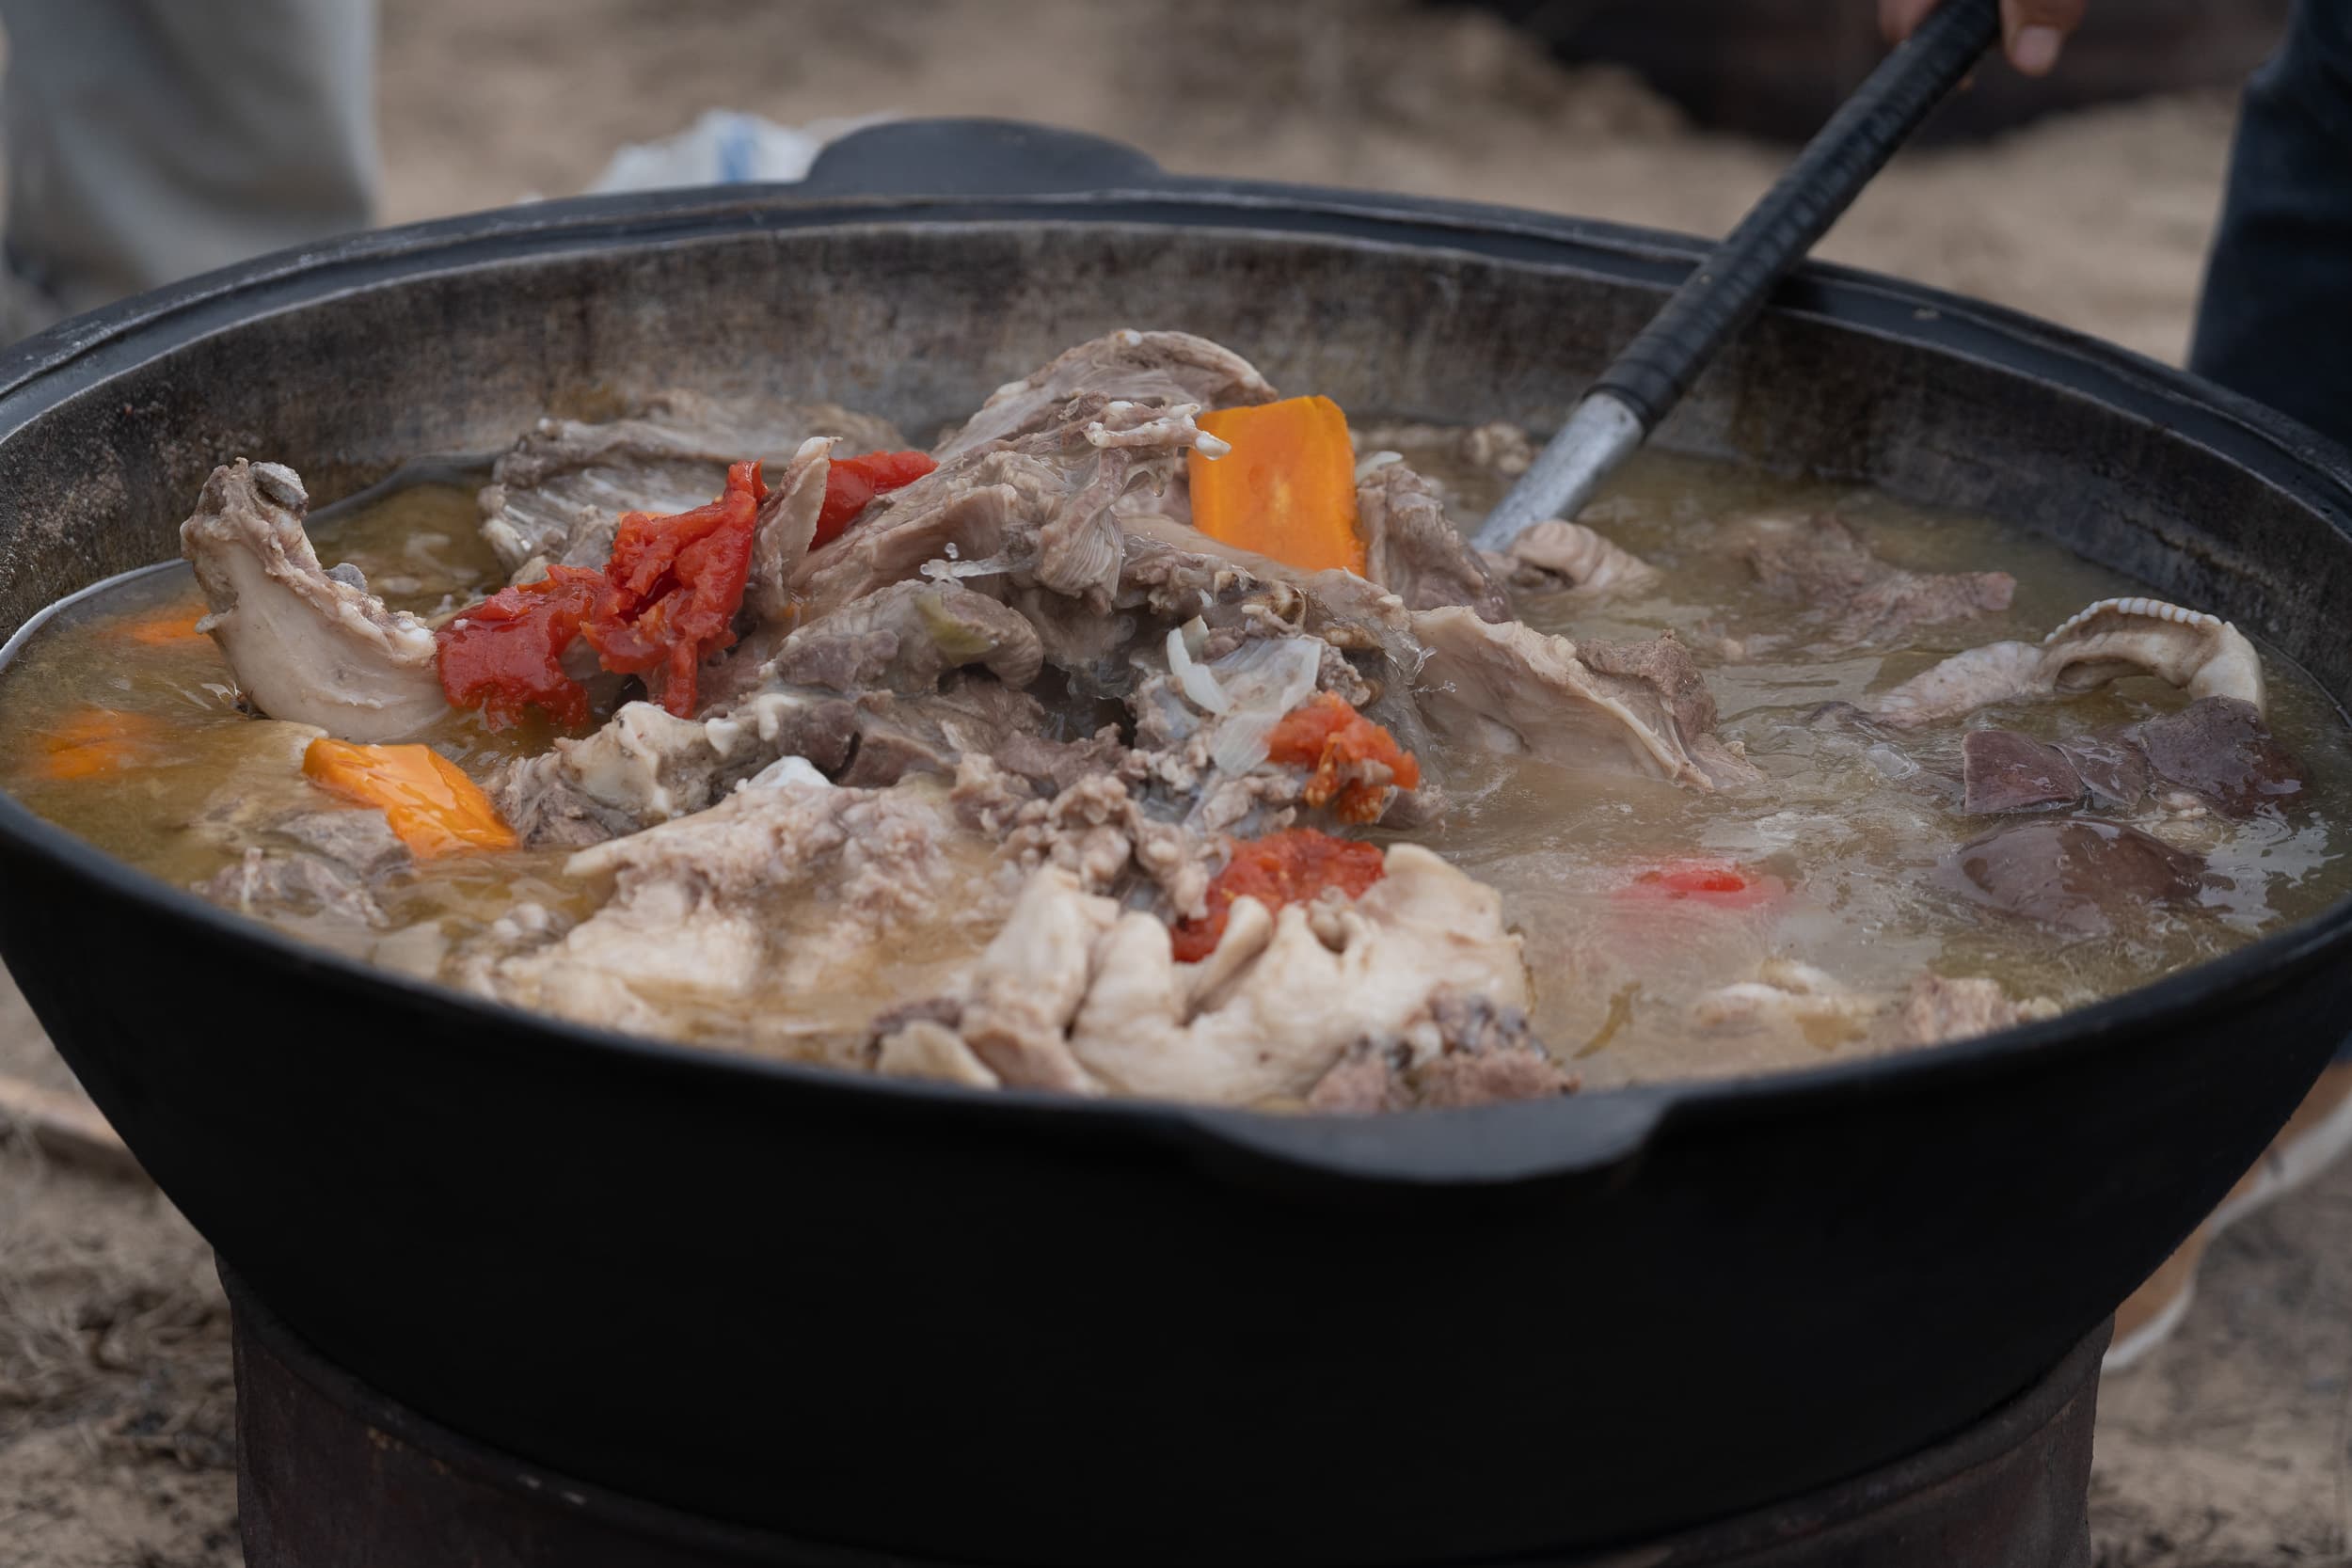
[[1199, 684], [1264, 680]]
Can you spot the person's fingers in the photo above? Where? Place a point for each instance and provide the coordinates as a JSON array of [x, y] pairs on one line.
[[2034, 30], [1898, 18]]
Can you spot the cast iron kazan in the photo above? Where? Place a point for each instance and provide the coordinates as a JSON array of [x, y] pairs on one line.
[[1024, 1329]]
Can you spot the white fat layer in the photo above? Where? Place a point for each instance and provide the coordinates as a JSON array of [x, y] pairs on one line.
[[786, 771]]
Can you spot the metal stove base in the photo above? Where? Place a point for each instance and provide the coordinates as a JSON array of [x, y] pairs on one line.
[[330, 1474]]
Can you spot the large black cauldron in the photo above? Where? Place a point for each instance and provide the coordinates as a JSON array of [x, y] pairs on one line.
[[1023, 1330]]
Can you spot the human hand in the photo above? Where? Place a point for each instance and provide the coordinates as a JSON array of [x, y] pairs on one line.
[[2032, 31]]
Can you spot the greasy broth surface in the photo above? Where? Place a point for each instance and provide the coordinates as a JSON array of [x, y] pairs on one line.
[[1854, 828]]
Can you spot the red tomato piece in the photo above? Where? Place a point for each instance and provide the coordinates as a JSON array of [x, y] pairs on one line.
[[1282, 869], [1324, 734], [673, 587], [504, 654], [853, 482], [1717, 883]]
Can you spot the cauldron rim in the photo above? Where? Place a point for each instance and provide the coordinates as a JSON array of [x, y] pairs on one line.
[[1496, 1143]]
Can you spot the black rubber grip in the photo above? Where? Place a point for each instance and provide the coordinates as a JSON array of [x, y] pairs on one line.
[[1732, 284]]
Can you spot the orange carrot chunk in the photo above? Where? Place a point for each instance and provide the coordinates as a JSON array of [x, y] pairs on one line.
[[163, 629], [1287, 490], [428, 800], [1345, 750], [92, 742], [1282, 869]]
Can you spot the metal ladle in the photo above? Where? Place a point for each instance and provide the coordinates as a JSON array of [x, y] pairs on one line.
[[1649, 377]]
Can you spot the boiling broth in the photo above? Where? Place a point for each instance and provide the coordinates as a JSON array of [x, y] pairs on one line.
[[1852, 826]]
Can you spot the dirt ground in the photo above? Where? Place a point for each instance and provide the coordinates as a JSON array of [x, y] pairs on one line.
[[2228, 1447]]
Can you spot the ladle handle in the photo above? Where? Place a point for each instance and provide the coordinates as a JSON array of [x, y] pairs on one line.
[[1732, 284]]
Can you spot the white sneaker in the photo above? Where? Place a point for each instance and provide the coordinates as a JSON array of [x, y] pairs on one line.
[[2318, 1133]]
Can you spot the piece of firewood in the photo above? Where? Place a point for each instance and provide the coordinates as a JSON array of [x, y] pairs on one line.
[[64, 1127]]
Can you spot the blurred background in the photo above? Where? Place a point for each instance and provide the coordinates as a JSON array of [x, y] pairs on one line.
[[147, 138], [2090, 203]]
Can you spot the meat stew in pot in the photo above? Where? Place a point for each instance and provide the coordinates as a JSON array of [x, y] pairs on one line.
[[1155, 734]]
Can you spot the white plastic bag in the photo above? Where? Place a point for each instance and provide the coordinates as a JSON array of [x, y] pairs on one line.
[[723, 148]]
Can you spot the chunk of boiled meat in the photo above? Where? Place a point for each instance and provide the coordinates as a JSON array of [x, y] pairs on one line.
[[298, 858], [1096, 828], [933, 733], [1484, 1056], [1053, 766], [928, 1048], [2114, 772], [359, 840], [1077, 993], [2003, 770], [786, 526], [2076, 874], [2203, 655], [642, 767], [1498, 451], [304, 645], [1938, 1010], [1822, 563], [904, 637], [1638, 708], [1168, 366], [1412, 548], [1040, 511], [558, 493], [1558, 552], [1790, 995], [692, 912], [1272, 1010], [1027, 986], [646, 766], [2219, 749], [267, 884]]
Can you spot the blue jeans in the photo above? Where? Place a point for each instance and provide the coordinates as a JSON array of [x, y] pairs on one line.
[[2276, 320]]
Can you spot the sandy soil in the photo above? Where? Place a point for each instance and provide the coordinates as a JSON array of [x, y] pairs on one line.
[[2098, 221], [2228, 1447]]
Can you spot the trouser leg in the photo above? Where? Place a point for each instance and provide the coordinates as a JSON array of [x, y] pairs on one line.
[[147, 140], [2276, 322]]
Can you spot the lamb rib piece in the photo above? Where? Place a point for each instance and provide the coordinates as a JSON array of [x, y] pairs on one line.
[[304, 645]]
